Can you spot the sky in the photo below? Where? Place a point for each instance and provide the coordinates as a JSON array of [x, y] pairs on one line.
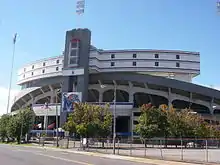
[[192, 25]]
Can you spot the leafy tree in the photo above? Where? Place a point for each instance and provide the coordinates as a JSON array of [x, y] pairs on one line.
[[3, 126], [20, 124], [152, 122], [89, 120]]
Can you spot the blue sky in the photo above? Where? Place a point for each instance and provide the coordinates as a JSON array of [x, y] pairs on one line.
[[155, 24]]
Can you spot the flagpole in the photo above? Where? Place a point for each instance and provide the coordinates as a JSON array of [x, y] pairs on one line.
[[12, 66]]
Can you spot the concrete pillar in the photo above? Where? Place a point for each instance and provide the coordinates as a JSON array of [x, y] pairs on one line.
[[100, 97], [169, 98], [132, 124], [190, 100], [131, 93]]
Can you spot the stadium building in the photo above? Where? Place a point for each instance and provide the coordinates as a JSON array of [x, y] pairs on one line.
[[138, 76]]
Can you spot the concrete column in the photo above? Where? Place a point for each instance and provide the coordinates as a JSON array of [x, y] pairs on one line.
[[132, 124], [169, 98], [131, 93], [45, 121], [100, 97], [190, 100]]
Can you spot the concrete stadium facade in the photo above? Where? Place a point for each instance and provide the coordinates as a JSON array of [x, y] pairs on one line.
[[140, 77]]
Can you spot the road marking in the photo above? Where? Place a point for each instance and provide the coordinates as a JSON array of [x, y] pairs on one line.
[[50, 156], [68, 160]]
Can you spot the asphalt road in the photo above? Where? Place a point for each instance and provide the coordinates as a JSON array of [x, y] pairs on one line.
[[20, 155]]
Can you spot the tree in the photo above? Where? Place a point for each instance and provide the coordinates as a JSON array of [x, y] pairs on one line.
[[20, 124], [152, 122], [89, 120], [3, 127]]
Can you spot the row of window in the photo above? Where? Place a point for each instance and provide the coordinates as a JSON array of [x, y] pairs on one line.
[[44, 64], [134, 63], [43, 71], [155, 56]]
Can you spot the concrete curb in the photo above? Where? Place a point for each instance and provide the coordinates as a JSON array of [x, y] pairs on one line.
[[119, 157]]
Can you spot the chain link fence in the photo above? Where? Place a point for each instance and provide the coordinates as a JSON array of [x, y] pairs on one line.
[[189, 150]]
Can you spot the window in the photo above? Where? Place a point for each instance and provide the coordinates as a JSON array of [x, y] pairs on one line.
[[177, 56], [44, 64], [32, 66], [57, 68], [177, 64], [112, 55], [134, 63], [58, 61], [32, 73], [112, 64], [74, 44], [156, 64], [24, 69], [24, 76], [137, 113], [134, 55], [43, 71], [73, 61], [156, 55], [73, 53]]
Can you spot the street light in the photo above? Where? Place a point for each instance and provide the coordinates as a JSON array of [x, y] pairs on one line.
[[57, 142], [114, 115]]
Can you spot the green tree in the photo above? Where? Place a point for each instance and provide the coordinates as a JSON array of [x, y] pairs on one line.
[[20, 124], [89, 120], [3, 127], [152, 122]]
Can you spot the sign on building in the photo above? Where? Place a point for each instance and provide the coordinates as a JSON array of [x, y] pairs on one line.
[[69, 99]]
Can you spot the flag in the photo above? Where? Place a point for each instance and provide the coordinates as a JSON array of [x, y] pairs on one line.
[[39, 125], [80, 6], [15, 38]]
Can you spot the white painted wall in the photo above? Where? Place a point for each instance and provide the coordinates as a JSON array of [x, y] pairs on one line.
[[145, 63]]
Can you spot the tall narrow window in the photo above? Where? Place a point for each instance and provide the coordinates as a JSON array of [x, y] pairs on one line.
[[177, 56], [134, 63], [156, 64], [112, 55], [156, 55], [44, 64], [134, 55], [112, 64], [58, 61], [177, 64]]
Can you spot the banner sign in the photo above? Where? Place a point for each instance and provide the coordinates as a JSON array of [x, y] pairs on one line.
[[68, 100]]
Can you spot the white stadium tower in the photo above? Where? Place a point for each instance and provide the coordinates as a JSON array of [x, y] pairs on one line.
[[140, 76]]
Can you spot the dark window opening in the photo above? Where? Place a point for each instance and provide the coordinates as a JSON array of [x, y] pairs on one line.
[[112, 55], [177, 64]]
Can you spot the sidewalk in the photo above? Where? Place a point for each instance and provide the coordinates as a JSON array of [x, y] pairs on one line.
[[128, 158]]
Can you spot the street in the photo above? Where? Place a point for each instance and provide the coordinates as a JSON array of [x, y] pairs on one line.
[[20, 155]]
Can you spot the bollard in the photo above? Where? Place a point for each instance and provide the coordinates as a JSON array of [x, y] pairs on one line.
[[206, 148], [181, 149], [131, 148], [145, 148], [161, 152], [118, 146]]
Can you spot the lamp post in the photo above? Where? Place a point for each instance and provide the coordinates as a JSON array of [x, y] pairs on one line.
[[12, 66], [57, 141], [114, 116]]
